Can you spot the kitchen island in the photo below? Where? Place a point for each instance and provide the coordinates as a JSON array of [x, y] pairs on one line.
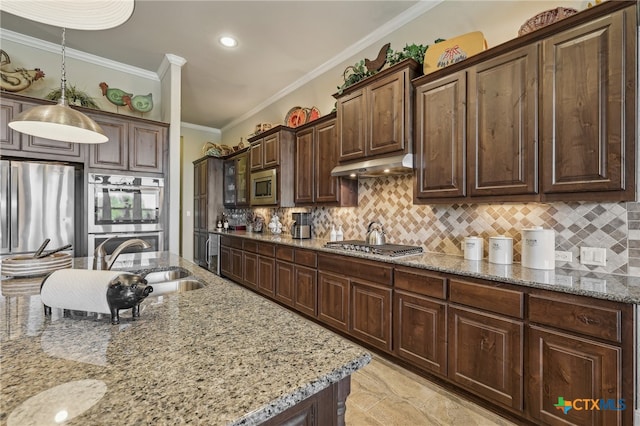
[[217, 355]]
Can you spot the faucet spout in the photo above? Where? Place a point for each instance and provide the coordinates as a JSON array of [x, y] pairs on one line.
[[100, 261]]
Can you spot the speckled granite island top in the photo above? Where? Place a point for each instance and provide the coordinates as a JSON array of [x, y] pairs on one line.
[[618, 288], [214, 356]]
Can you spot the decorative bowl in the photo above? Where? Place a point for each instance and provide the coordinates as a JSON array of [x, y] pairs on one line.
[[545, 18]]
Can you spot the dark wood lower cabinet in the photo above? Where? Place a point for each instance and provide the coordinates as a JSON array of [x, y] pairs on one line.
[[574, 368], [517, 349], [333, 300], [285, 282], [326, 408], [486, 355], [306, 290], [266, 275], [371, 314], [420, 331]]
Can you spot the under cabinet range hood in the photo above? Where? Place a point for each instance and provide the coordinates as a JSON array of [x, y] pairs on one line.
[[396, 165]]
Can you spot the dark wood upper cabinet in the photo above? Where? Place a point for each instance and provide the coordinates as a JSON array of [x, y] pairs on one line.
[[588, 109], [502, 131], [441, 139], [375, 116], [550, 116], [236, 181], [146, 144], [9, 138], [113, 154], [316, 154]]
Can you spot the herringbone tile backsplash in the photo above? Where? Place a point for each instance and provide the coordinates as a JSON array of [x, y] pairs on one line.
[[442, 228]]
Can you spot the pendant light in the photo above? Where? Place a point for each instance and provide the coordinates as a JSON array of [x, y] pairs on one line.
[[59, 122]]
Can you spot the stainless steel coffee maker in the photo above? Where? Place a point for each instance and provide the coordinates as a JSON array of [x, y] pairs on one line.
[[301, 226]]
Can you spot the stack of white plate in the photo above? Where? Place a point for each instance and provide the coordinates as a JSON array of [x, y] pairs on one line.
[[28, 266]]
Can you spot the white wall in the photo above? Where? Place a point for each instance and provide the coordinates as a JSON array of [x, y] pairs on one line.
[[192, 139]]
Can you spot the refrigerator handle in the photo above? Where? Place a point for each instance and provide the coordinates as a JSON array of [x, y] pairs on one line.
[[14, 207], [206, 253], [4, 206]]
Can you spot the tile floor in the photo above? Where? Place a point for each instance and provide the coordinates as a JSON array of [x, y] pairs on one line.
[[384, 394]]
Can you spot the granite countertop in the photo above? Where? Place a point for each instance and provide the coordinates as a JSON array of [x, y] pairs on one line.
[[619, 288], [218, 355]]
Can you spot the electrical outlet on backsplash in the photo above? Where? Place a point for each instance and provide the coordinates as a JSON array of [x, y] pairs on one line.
[[442, 228]]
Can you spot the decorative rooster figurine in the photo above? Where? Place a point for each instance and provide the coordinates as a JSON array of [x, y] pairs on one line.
[[139, 103], [18, 79], [114, 95], [374, 65]]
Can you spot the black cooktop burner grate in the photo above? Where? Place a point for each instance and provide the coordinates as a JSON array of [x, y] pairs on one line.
[[391, 250]]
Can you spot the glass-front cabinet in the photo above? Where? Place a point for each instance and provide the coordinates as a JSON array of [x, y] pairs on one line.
[[236, 181]]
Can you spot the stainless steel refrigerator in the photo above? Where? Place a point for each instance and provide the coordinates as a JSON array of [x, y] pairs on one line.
[[36, 203]]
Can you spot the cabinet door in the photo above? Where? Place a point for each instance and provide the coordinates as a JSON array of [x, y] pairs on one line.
[[420, 333], [266, 272], [271, 151], [502, 129], [326, 158], [225, 261], [588, 88], [146, 143], [304, 167], [250, 262], [306, 290], [200, 198], [351, 124], [9, 138], [333, 300], [242, 180], [568, 367], [200, 248], [371, 314], [113, 154], [255, 155], [486, 355], [285, 280], [229, 168], [236, 265], [440, 143], [386, 114]]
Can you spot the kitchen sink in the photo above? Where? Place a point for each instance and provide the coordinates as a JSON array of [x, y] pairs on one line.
[[175, 286], [166, 275]]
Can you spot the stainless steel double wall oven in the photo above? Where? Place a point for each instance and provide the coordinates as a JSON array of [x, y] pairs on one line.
[[125, 207]]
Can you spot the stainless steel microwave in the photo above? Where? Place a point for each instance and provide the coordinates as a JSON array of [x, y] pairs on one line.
[[264, 187]]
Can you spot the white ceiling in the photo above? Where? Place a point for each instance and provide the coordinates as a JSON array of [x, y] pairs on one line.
[[280, 42]]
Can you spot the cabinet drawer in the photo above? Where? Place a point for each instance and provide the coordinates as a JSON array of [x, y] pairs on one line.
[[306, 258], [490, 298], [284, 253], [267, 249], [231, 242], [596, 321], [251, 246], [377, 272], [417, 281]]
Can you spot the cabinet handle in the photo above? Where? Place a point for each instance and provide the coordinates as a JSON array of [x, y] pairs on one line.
[[587, 320]]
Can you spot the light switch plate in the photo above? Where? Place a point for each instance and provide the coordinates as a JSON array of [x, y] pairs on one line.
[[593, 256], [564, 256]]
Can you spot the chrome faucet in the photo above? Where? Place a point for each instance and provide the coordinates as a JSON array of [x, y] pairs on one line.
[[100, 255]]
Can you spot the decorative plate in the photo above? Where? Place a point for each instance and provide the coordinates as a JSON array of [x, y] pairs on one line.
[[313, 114], [296, 116]]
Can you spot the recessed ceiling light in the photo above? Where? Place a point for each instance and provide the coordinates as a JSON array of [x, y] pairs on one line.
[[228, 41]]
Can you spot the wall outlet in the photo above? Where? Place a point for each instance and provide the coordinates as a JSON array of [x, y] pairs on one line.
[[564, 256], [593, 256]]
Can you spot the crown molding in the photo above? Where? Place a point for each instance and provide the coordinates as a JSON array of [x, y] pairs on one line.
[[76, 54], [397, 22], [168, 60], [201, 128]]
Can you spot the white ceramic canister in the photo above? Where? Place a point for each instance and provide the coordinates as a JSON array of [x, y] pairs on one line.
[[473, 248], [538, 248], [501, 250]]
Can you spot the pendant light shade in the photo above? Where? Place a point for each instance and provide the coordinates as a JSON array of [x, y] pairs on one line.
[[59, 122]]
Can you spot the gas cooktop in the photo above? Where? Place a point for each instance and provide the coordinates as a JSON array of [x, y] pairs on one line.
[[391, 250]]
